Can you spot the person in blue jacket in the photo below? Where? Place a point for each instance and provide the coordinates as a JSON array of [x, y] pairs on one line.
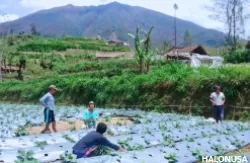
[[90, 116], [92, 144]]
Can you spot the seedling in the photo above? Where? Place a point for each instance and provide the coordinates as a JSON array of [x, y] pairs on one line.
[[41, 144], [68, 158], [66, 136], [148, 121], [177, 125], [197, 154], [171, 157], [219, 148], [236, 142], [26, 157], [110, 132], [163, 127], [125, 144], [148, 131], [169, 141], [119, 123], [21, 131], [108, 119], [138, 147], [73, 128]]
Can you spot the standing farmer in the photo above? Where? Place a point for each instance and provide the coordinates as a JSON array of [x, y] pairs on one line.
[[48, 102], [90, 116], [217, 99]]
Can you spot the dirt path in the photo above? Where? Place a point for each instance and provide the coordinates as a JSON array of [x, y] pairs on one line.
[[77, 124]]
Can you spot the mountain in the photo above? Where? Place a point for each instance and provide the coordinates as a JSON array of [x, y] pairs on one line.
[[100, 20]]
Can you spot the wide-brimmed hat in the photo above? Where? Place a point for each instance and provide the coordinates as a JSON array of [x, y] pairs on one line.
[[54, 87]]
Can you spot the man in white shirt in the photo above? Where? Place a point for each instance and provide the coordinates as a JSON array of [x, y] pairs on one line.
[[218, 99]]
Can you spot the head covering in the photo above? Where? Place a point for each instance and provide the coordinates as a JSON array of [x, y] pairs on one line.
[[91, 102], [53, 87]]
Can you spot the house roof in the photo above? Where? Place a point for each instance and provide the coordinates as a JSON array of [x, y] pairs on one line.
[[189, 49], [12, 68]]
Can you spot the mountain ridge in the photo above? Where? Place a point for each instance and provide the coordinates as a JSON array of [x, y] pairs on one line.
[[90, 21]]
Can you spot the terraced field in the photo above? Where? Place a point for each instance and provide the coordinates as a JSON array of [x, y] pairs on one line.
[[154, 137]]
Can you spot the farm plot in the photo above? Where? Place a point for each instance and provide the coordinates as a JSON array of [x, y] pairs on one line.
[[159, 137]]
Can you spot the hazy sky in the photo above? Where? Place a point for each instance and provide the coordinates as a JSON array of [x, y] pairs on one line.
[[192, 10]]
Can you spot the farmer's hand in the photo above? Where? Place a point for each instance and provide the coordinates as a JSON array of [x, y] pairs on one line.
[[122, 150]]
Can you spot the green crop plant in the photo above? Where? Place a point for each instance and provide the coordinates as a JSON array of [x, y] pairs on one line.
[[26, 157], [125, 144], [171, 157], [197, 154], [41, 144], [67, 137], [21, 131], [169, 141], [108, 119], [219, 148], [163, 127], [68, 157]]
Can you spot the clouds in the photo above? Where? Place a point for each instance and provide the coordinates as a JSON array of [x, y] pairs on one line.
[[8, 17]]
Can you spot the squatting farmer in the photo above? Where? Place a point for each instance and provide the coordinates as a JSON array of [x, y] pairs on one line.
[[94, 143], [48, 102], [90, 116], [218, 99]]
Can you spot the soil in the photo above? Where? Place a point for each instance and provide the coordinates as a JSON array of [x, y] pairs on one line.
[[244, 151], [77, 125]]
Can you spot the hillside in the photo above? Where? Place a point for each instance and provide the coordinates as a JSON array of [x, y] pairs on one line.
[[100, 20]]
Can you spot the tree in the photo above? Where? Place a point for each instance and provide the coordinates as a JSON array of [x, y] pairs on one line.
[[187, 38], [147, 47], [33, 29], [232, 14], [142, 52]]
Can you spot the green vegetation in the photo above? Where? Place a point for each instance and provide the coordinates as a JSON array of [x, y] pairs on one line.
[[26, 157], [62, 44], [120, 82], [172, 83], [68, 158]]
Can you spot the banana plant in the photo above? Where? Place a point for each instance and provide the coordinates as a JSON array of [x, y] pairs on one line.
[[141, 51]]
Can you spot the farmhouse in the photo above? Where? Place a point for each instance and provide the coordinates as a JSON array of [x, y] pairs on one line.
[[184, 53], [114, 41], [9, 68]]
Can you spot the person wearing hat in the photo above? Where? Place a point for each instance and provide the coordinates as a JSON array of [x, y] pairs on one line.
[[48, 102], [90, 116], [218, 99]]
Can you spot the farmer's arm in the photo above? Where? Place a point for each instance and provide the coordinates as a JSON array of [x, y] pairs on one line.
[[223, 98], [85, 118], [43, 100], [105, 142], [212, 99]]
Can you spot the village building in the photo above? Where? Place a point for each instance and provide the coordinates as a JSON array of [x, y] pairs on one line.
[[184, 53], [114, 41], [5, 69]]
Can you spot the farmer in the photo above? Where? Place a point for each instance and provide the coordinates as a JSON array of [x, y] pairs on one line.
[[93, 143], [48, 102], [217, 99], [90, 116]]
